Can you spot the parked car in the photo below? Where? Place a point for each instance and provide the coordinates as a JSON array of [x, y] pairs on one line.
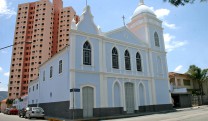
[[6, 111], [34, 112], [22, 112], [13, 111]]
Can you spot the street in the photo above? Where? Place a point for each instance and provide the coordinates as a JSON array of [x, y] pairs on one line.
[[4, 117], [197, 114], [188, 114]]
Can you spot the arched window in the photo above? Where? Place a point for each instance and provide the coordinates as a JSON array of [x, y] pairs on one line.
[[127, 60], [156, 40], [87, 53], [138, 62], [115, 58]]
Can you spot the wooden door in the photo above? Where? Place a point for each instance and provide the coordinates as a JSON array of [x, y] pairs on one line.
[[88, 101], [129, 96]]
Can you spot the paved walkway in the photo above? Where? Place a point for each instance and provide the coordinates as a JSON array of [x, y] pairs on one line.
[[135, 115]]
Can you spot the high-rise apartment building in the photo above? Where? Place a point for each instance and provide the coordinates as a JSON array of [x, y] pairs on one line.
[[42, 29]]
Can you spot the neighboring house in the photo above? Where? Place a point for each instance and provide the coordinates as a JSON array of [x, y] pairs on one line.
[[205, 88], [123, 71], [181, 87], [180, 81], [3, 105], [20, 103]]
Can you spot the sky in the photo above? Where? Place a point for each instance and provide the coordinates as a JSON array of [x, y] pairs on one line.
[[185, 29]]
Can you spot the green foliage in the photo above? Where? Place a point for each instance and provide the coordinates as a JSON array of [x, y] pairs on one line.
[[9, 101], [198, 75], [181, 2], [197, 92], [20, 99]]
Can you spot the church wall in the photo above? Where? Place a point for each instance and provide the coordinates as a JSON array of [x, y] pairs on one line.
[[55, 89], [159, 65], [162, 92]]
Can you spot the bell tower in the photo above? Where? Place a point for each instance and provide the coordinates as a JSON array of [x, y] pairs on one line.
[[147, 27]]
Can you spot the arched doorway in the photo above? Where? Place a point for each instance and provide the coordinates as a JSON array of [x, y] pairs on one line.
[[141, 95], [129, 96], [88, 101], [117, 95]]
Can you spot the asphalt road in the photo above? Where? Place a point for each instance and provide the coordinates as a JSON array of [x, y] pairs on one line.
[[4, 117], [198, 114]]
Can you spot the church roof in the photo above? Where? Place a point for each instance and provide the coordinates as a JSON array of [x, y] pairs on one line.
[[125, 35], [142, 8], [86, 23]]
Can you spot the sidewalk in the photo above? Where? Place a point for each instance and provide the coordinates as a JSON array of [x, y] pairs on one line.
[[128, 115], [191, 108]]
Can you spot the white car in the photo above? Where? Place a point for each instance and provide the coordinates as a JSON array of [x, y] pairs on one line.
[[34, 112]]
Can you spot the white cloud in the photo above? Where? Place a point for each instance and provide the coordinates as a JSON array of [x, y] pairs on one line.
[[6, 74], [4, 52], [178, 68], [171, 44], [171, 26], [1, 69], [4, 9], [3, 88], [161, 13]]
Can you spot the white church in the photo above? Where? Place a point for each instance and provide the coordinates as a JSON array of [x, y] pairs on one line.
[[119, 72]]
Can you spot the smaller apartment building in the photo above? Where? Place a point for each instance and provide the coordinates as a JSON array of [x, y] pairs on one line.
[[181, 81], [181, 87]]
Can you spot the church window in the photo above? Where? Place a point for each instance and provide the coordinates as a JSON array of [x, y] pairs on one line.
[[138, 62], [156, 39], [127, 60], [115, 58], [51, 72], [60, 66], [86, 53]]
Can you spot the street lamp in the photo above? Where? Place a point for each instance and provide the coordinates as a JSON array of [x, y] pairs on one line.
[[15, 44]]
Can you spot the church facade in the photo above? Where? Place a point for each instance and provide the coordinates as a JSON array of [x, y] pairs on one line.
[[120, 72]]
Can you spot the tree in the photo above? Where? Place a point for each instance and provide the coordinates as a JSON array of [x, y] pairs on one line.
[[198, 75], [9, 102], [181, 2]]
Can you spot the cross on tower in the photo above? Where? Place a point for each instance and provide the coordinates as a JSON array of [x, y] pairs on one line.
[[123, 17], [141, 1]]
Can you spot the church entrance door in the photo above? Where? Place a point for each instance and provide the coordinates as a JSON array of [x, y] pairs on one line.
[[88, 101], [129, 96]]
